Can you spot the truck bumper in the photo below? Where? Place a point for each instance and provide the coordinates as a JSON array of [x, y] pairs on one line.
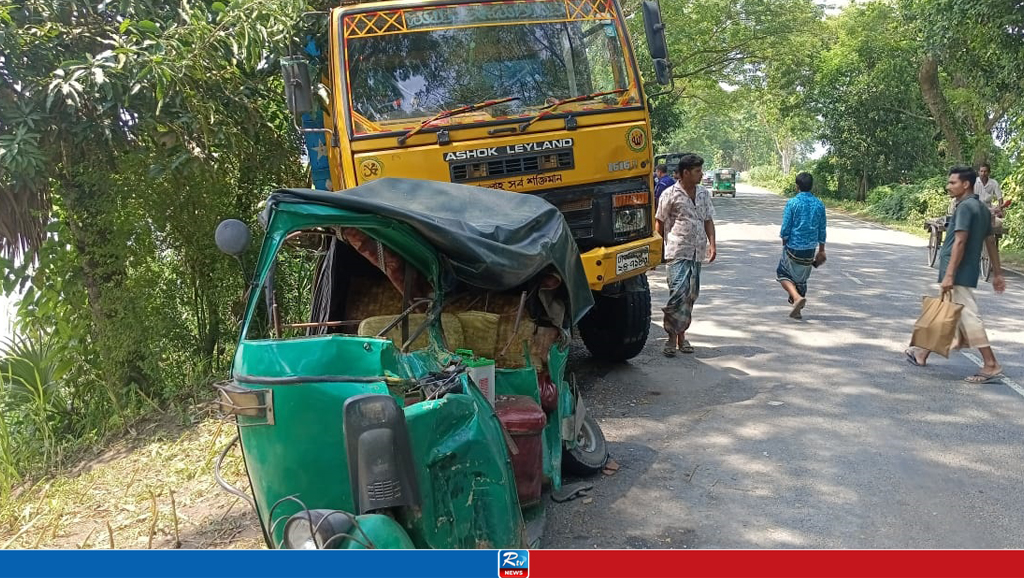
[[603, 263]]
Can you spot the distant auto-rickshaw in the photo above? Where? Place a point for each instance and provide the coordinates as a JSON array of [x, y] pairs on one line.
[[725, 183]]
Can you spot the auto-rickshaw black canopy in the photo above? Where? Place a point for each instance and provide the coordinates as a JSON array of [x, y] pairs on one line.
[[494, 240]]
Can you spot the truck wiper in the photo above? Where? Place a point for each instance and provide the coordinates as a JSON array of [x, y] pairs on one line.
[[550, 109], [453, 112]]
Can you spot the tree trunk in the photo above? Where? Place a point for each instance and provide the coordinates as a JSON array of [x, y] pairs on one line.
[[862, 186], [104, 273], [928, 78], [781, 147], [983, 141], [209, 328], [982, 146], [786, 153]]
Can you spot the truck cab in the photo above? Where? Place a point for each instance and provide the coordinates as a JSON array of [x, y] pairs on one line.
[[540, 97]]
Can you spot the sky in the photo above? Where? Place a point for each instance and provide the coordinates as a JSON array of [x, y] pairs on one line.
[[5, 317], [833, 7]]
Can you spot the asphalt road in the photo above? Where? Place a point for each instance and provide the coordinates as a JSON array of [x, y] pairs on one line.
[[805, 434]]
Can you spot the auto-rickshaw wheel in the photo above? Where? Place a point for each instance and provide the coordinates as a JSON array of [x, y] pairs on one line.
[[591, 452]]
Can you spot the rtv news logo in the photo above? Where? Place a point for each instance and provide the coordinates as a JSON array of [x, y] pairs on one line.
[[513, 563]]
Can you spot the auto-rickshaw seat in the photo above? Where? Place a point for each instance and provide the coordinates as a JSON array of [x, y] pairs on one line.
[[488, 334], [450, 324], [480, 330], [372, 296]]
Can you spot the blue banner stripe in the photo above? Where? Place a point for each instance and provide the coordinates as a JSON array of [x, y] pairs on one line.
[[249, 563]]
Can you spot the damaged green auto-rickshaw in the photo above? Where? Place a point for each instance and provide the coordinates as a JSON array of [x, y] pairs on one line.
[[417, 396]]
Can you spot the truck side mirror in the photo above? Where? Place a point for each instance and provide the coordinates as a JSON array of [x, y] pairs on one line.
[[663, 71], [297, 88], [655, 30], [232, 237]]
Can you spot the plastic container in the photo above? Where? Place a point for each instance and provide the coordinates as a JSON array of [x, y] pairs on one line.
[[481, 371], [524, 420], [548, 392]]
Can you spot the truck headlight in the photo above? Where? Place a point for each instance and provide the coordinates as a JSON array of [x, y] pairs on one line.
[[316, 529], [630, 220]]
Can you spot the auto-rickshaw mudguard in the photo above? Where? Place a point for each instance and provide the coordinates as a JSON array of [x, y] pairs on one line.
[[379, 532]]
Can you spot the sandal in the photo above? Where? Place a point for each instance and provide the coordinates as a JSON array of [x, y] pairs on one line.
[[911, 358], [686, 347], [982, 378], [799, 305], [668, 350]]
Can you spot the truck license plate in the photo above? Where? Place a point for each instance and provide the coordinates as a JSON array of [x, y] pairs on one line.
[[630, 260]]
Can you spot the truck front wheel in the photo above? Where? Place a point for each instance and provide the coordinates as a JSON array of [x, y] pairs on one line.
[[616, 328]]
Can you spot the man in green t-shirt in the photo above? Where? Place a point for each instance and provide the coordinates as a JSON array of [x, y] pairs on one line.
[[969, 233]]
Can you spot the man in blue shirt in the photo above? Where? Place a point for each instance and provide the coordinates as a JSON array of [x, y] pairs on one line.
[[803, 231], [661, 182]]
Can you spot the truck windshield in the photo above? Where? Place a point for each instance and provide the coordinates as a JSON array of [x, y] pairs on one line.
[[442, 58]]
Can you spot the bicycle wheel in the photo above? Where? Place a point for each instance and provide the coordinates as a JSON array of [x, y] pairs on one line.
[[986, 266], [934, 241]]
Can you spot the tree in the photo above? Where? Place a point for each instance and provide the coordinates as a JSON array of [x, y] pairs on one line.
[[971, 68], [85, 87], [872, 119], [750, 45], [779, 89]]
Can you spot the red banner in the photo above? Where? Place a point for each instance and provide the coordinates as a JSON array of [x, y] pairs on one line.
[[776, 563]]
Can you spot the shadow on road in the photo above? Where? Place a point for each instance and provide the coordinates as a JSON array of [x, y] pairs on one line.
[[816, 433]]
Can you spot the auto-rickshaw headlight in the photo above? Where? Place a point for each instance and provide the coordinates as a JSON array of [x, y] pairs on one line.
[[298, 535], [316, 529]]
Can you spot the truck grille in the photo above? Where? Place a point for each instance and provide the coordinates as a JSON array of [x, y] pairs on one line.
[[579, 215], [589, 212], [557, 160]]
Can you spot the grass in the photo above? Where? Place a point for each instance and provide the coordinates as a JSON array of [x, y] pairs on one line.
[[860, 210], [1012, 259], [154, 489]]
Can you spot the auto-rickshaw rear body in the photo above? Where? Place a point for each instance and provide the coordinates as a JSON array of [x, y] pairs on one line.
[[421, 399]]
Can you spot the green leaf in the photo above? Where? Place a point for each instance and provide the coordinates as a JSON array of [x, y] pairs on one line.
[[218, 7], [124, 25], [148, 26]]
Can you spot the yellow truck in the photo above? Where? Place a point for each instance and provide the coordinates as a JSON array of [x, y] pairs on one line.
[[540, 97]]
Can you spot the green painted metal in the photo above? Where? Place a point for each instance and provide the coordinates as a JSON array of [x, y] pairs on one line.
[[289, 217], [465, 478], [524, 382], [467, 488], [378, 531], [725, 180]]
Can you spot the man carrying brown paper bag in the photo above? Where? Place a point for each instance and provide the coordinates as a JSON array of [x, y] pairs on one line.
[[969, 232]]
